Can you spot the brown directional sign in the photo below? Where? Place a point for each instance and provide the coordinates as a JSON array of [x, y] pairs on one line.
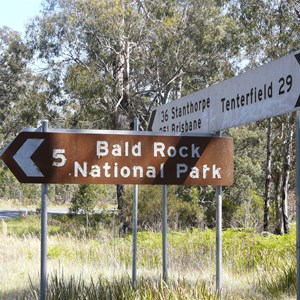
[[102, 157]]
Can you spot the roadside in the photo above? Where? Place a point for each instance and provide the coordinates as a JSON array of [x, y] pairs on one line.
[[13, 208], [6, 214]]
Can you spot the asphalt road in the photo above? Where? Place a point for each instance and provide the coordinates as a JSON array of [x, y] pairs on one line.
[[6, 214], [9, 214]]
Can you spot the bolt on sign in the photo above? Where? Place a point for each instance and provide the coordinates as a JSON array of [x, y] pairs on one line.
[[115, 157]]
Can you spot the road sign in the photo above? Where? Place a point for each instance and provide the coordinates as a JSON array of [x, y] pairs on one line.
[[270, 90], [109, 157]]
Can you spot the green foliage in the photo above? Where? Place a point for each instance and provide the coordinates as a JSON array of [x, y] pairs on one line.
[[8, 185], [58, 252], [283, 283], [85, 198], [61, 224], [22, 226], [182, 213], [269, 23], [22, 194], [61, 194], [247, 251], [30, 225], [249, 213], [20, 89], [101, 288], [125, 58], [267, 261], [139, 50]]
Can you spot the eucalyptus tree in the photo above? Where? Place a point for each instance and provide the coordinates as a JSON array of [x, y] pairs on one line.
[[20, 90], [272, 30], [110, 60], [24, 100]]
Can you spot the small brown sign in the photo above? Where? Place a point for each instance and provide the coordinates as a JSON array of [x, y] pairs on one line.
[[120, 158]]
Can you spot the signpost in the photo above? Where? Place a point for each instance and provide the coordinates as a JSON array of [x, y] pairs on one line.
[[298, 203], [106, 157], [135, 223], [44, 231], [270, 90]]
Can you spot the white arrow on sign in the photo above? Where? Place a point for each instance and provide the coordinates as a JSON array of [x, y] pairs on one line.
[[23, 157], [270, 90]]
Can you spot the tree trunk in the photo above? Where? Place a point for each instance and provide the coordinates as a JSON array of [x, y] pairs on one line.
[[126, 85], [268, 177], [122, 110], [279, 221], [286, 176], [118, 77], [178, 86]]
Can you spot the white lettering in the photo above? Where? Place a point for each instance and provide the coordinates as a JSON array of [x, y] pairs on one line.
[[162, 171], [183, 151], [195, 151], [159, 148], [126, 148], [106, 168], [95, 171], [181, 168], [171, 151], [78, 169], [195, 173], [59, 154], [125, 172], [102, 148], [216, 172], [116, 150], [205, 170], [137, 169], [151, 172], [137, 149], [116, 170]]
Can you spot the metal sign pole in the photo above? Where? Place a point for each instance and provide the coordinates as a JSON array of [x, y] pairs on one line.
[[219, 242], [44, 232], [164, 233], [219, 239], [298, 201], [135, 216]]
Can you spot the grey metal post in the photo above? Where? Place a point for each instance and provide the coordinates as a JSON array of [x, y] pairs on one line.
[[44, 232], [298, 201], [164, 233], [135, 217], [219, 242], [219, 239]]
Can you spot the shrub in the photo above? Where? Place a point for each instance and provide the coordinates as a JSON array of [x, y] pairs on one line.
[[181, 213]]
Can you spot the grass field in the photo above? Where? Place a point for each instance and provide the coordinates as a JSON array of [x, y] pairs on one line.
[[97, 264]]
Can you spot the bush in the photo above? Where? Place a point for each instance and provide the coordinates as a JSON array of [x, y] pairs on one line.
[[181, 214], [84, 199]]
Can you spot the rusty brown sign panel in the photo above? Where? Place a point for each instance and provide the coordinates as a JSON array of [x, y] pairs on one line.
[[119, 158]]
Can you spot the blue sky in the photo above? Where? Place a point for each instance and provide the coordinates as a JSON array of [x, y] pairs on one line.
[[16, 13]]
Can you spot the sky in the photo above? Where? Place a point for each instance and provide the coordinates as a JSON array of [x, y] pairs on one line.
[[16, 13]]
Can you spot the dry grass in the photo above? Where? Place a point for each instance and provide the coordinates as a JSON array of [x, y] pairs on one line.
[[108, 256]]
